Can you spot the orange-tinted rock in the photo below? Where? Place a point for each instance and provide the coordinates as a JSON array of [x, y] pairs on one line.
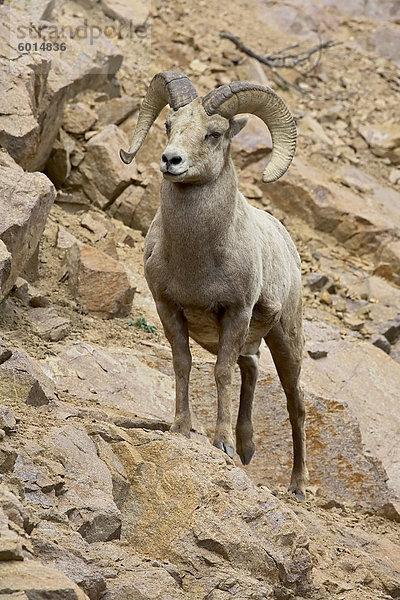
[[98, 282]]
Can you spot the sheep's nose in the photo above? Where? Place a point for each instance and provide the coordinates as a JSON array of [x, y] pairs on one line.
[[171, 158]]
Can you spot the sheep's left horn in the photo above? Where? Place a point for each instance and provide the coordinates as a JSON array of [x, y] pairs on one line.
[[168, 87], [245, 97]]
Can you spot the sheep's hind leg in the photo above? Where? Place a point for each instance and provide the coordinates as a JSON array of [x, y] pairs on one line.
[[245, 446], [286, 346], [176, 330]]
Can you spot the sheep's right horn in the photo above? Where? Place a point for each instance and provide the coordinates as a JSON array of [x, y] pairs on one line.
[[245, 97], [168, 87]]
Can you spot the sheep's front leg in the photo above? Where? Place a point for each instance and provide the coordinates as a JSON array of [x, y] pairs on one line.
[[176, 330], [234, 327]]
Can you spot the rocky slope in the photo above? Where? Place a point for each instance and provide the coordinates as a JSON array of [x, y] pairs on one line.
[[97, 499]]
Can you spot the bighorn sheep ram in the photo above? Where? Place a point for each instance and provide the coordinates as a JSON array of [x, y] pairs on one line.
[[221, 271]]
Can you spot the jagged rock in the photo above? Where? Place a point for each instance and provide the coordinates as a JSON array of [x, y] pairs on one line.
[[384, 140], [350, 369], [58, 167], [29, 294], [125, 205], [115, 378], [362, 224], [116, 110], [5, 353], [381, 342], [7, 419], [40, 10], [5, 265], [391, 330], [38, 581], [98, 282], [88, 499], [310, 126], [389, 262], [21, 383], [317, 353], [219, 517], [24, 373], [47, 324], [128, 12], [24, 209], [78, 118], [32, 106], [81, 570], [104, 174], [149, 202], [95, 223], [316, 281], [8, 456], [65, 239]]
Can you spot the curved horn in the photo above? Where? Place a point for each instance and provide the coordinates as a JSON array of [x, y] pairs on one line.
[[245, 97], [168, 87]]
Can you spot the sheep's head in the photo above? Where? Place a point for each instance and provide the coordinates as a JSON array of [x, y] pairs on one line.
[[198, 144], [200, 130]]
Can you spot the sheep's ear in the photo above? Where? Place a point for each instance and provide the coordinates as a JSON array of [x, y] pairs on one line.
[[237, 125]]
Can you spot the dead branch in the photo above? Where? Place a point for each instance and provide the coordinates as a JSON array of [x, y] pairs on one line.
[[283, 58]]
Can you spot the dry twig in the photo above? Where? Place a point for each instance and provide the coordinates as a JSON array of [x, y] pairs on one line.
[[283, 58]]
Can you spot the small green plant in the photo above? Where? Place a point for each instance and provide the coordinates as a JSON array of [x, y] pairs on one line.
[[142, 324]]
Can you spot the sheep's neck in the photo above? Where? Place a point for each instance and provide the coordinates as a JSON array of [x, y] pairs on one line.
[[197, 217]]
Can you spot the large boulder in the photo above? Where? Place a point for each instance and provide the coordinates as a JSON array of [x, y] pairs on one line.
[[104, 175], [31, 108], [98, 282], [365, 223], [32, 579], [25, 202]]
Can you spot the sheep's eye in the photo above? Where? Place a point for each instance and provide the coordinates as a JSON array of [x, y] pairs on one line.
[[214, 135]]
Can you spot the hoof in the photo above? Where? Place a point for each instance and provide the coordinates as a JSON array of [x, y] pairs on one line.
[[225, 447], [298, 492], [246, 454]]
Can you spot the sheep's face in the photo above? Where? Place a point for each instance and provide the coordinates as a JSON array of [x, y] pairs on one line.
[[198, 144]]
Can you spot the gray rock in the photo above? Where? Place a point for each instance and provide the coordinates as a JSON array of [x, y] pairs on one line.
[[316, 281], [391, 330], [115, 378], [104, 175], [147, 207], [88, 499], [7, 419], [127, 12], [78, 118], [38, 581], [36, 396], [5, 353], [47, 324], [380, 341], [31, 109], [386, 41], [8, 456], [116, 110], [81, 570], [24, 209], [5, 265], [24, 371], [58, 167], [123, 208]]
